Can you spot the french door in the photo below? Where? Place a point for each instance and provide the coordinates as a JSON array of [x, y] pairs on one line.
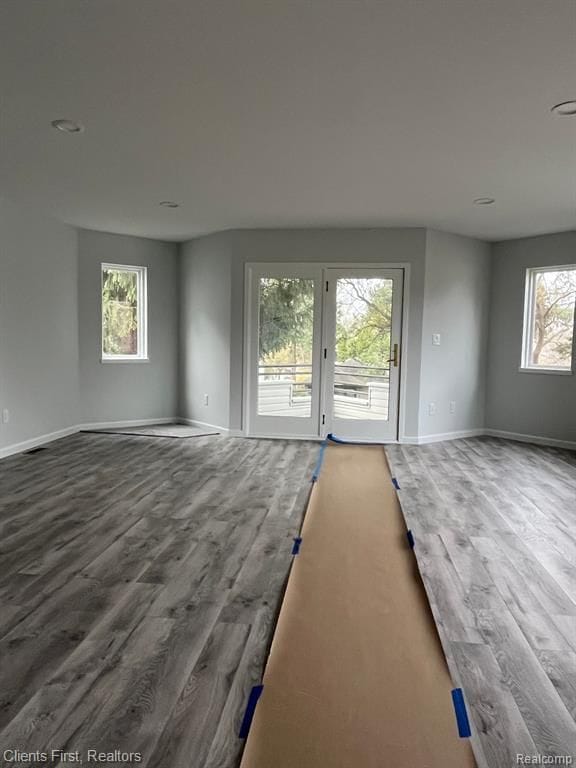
[[323, 351], [363, 316], [284, 338]]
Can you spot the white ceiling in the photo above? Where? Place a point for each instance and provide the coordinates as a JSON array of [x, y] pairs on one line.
[[273, 113]]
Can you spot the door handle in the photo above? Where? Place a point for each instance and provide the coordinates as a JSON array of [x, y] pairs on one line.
[[394, 358]]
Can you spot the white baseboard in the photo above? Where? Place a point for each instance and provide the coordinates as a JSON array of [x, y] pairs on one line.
[[123, 424], [205, 425], [35, 442], [550, 441], [441, 436]]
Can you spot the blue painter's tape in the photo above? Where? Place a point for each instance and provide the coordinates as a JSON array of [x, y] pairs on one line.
[[410, 537], [250, 708], [333, 439], [318, 466], [464, 730], [395, 483], [296, 547]]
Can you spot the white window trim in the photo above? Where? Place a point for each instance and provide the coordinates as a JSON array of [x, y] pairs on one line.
[[528, 325], [142, 306]]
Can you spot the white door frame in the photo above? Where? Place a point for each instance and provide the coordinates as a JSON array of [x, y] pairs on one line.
[[363, 429], [306, 427], [246, 378]]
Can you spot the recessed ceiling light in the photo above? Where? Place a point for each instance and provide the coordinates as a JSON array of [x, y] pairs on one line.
[[565, 108], [484, 201], [67, 126], [169, 204]]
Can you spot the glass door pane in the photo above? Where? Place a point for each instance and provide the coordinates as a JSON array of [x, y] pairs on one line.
[[362, 341], [361, 369], [285, 346], [284, 333]]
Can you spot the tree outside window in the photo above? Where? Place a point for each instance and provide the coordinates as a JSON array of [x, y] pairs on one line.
[[123, 312], [549, 318]]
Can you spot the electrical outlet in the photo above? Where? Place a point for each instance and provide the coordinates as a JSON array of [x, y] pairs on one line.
[[436, 339], [5, 416], [205, 399], [452, 406], [432, 409]]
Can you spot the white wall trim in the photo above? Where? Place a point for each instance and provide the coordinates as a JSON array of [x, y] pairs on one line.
[[131, 423], [34, 442], [205, 425], [551, 441], [441, 436], [301, 438]]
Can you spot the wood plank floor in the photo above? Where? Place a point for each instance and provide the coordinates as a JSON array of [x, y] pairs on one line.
[[139, 579], [495, 529], [139, 582]]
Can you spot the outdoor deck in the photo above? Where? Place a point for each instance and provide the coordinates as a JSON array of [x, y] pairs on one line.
[[359, 392]]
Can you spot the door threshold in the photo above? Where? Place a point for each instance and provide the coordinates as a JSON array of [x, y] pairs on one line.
[[253, 436]]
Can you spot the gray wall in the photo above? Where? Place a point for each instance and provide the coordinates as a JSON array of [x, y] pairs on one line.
[[129, 390], [456, 305], [205, 322], [51, 377], [525, 403], [213, 305], [332, 245], [38, 325]]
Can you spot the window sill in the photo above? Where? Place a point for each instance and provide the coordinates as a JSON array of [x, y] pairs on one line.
[[107, 360], [553, 371]]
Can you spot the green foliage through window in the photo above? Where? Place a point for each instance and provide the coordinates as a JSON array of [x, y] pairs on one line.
[[286, 320], [364, 318], [120, 312], [553, 297], [364, 308]]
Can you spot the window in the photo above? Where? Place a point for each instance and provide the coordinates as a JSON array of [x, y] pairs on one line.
[[549, 319], [124, 313]]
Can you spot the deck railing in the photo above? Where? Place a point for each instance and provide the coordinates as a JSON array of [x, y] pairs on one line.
[[360, 391]]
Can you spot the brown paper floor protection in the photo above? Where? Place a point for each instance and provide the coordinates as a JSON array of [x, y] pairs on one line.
[[356, 677]]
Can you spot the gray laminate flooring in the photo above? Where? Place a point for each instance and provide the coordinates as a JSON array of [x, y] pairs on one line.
[[495, 529], [139, 581]]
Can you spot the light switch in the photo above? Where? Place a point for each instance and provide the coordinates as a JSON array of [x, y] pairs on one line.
[[436, 339]]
